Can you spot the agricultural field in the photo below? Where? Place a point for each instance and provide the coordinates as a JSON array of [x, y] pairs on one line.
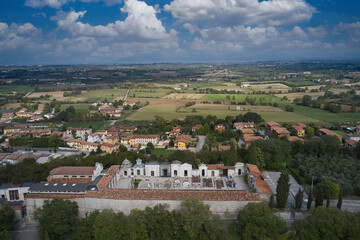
[[300, 83], [9, 90], [292, 96], [11, 106], [81, 107], [102, 94], [234, 107], [161, 102], [148, 113], [57, 95], [185, 96], [148, 93], [240, 97], [269, 87]]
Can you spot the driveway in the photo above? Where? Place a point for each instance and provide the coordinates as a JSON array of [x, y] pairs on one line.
[[200, 144]]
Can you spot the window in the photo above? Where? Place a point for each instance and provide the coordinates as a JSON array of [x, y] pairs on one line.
[[132, 171], [212, 173], [82, 176], [66, 176], [74, 176], [175, 172], [2, 196], [203, 173], [152, 173], [14, 195], [138, 172], [185, 173], [239, 173], [125, 173]]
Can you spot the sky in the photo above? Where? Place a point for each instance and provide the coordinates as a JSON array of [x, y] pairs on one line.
[[134, 31]]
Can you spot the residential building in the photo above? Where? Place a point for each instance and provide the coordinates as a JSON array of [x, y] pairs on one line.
[[281, 132], [79, 132], [299, 129], [41, 132], [131, 104], [13, 129], [196, 128], [295, 138], [145, 139], [250, 139], [324, 131], [241, 125], [272, 125], [109, 148], [353, 136], [182, 141], [246, 132], [10, 115], [220, 127]]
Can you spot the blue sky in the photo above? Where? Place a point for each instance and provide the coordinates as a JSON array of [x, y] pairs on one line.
[[134, 31]]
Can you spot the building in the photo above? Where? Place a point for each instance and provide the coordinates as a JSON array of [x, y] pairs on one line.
[[241, 125], [175, 132], [145, 139], [13, 129], [351, 143], [109, 148], [220, 127], [179, 169], [246, 132], [250, 139], [182, 141], [131, 104], [295, 138], [353, 136], [324, 131], [14, 192], [271, 125], [41, 132], [112, 139], [152, 169], [89, 146], [196, 128], [72, 174], [281, 132], [256, 180], [8, 116], [79, 132], [299, 129]]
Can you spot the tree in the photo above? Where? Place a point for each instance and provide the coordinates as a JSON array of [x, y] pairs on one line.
[[328, 223], [197, 221], [85, 229], [282, 190], [340, 199], [309, 131], [299, 198], [256, 221], [109, 225], [6, 219], [330, 188], [319, 200], [232, 154], [57, 219]]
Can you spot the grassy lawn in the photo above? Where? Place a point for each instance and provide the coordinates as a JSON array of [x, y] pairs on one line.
[[161, 152], [7, 90], [95, 125], [148, 113], [341, 133], [81, 107], [323, 115], [148, 93], [240, 97], [109, 94]]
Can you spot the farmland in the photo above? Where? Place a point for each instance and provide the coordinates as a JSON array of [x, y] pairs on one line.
[[9, 90], [240, 97], [81, 107]]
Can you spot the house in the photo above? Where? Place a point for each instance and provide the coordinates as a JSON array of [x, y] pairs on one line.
[[125, 139], [145, 139], [241, 125], [126, 129], [196, 128], [109, 148], [41, 132], [250, 139], [351, 143], [112, 139], [182, 141], [89, 146], [246, 132], [353, 136], [295, 138], [175, 131], [281, 132], [324, 131], [104, 106], [131, 104], [79, 132], [220, 127], [299, 129], [272, 125], [13, 129], [49, 115], [357, 128], [23, 113], [10, 115]]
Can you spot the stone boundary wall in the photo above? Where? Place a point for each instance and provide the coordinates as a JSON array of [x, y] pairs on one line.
[[205, 195]]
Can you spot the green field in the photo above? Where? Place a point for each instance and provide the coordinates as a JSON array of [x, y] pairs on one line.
[[161, 152], [109, 94], [95, 125], [148, 93], [148, 113], [205, 84], [240, 97], [300, 83], [7, 90], [80, 107]]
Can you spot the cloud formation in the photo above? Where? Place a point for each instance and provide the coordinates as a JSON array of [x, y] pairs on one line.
[[59, 3], [240, 12]]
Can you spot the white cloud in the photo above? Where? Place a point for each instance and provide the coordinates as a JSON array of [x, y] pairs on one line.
[[351, 29], [240, 12], [318, 32], [191, 28], [59, 3], [141, 24]]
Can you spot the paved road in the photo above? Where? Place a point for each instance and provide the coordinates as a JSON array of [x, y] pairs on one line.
[[25, 232], [200, 144]]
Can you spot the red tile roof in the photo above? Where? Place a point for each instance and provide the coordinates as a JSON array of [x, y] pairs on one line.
[[263, 186], [72, 171], [329, 132]]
